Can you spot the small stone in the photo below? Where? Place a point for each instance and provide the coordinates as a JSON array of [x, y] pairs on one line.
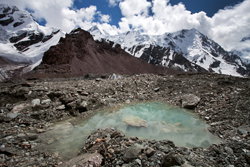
[[152, 164], [150, 151], [47, 101], [32, 136], [84, 93], [62, 107], [22, 126], [157, 89], [13, 115], [111, 151], [207, 118], [21, 136], [18, 108], [27, 154], [138, 161], [127, 101], [25, 143], [40, 130], [229, 151], [35, 102], [83, 105]]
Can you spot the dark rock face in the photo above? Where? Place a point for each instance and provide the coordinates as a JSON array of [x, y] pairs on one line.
[[83, 55], [17, 38], [7, 21], [157, 54], [33, 39]]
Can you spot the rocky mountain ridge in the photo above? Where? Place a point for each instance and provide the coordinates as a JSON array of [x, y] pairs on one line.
[[79, 54], [185, 50]]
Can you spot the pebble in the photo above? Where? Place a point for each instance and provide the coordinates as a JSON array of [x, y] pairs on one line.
[[47, 101], [35, 102], [62, 107]]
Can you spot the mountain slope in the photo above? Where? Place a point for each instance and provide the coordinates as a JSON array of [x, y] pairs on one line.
[[186, 50], [22, 40], [78, 54]]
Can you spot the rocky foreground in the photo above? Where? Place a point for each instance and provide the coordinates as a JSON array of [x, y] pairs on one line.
[[31, 107]]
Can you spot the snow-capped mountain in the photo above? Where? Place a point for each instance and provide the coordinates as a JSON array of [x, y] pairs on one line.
[[22, 40], [186, 50]]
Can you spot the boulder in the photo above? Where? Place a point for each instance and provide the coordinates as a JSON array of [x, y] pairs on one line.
[[189, 101], [171, 160], [132, 152], [94, 160], [135, 121]]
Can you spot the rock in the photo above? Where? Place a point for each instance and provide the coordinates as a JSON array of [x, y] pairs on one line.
[[186, 165], [135, 121], [84, 93], [32, 136], [98, 79], [190, 101], [132, 152], [35, 102], [150, 151], [82, 105], [47, 101], [244, 129], [62, 107], [247, 157], [18, 108], [171, 160], [138, 161], [168, 128], [207, 118], [157, 89], [40, 130], [9, 151], [13, 115], [229, 151], [127, 101], [85, 160], [114, 76]]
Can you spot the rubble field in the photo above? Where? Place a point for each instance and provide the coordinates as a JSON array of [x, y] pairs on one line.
[[31, 107]]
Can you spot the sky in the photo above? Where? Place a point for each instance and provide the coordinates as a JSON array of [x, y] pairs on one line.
[[224, 21]]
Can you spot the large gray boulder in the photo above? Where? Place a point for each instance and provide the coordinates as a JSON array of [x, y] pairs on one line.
[[189, 101], [132, 152]]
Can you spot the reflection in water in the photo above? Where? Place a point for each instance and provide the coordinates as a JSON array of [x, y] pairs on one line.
[[152, 120]]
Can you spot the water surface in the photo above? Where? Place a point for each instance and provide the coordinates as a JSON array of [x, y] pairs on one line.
[[150, 120]]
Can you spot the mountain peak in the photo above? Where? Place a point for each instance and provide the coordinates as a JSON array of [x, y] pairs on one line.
[[7, 8]]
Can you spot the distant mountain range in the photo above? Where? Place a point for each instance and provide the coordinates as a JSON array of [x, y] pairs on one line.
[[185, 50], [23, 44]]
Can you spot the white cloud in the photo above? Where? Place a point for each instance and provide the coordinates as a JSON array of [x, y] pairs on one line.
[[105, 18], [113, 3], [61, 14], [227, 27], [230, 25], [134, 7]]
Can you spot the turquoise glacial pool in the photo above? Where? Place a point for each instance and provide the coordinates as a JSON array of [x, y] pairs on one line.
[[148, 120]]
